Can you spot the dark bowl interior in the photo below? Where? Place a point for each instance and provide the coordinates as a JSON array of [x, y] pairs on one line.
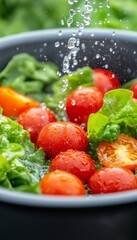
[[111, 216]]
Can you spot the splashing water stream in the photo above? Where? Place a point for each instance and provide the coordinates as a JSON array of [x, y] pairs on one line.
[[73, 44]]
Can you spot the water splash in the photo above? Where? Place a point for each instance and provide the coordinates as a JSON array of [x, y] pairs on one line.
[[73, 44]]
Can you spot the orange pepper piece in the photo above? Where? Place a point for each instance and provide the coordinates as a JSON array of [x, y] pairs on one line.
[[13, 103]]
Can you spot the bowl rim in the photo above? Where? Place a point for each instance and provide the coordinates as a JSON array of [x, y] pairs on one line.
[[99, 200], [47, 201], [26, 37]]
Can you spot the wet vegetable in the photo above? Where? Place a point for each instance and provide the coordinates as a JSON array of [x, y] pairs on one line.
[[34, 119], [76, 162], [28, 76], [61, 136], [14, 103], [62, 183], [120, 153], [118, 115], [68, 83], [105, 80], [82, 102], [110, 180], [20, 164]]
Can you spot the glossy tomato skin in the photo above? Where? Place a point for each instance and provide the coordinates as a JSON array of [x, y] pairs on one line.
[[76, 162], [134, 90], [105, 80], [34, 119], [61, 183], [110, 180], [120, 153], [61, 136], [83, 101]]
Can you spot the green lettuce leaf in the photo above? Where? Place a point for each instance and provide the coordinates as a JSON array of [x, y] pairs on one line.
[[117, 115], [21, 166], [34, 188]]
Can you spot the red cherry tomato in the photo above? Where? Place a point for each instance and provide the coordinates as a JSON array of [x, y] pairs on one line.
[[34, 119], [134, 90], [62, 183], [61, 136], [120, 153], [105, 80], [110, 180], [76, 162], [83, 101]]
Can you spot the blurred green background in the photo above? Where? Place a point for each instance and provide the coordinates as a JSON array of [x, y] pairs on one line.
[[25, 15]]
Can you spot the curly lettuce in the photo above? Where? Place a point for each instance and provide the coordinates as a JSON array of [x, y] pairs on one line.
[[21, 165]]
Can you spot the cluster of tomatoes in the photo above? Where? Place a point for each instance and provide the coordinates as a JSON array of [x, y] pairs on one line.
[[65, 143]]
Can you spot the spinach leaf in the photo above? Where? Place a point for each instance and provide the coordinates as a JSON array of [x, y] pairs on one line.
[[25, 74]]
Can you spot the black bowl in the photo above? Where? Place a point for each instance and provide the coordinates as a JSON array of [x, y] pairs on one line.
[[110, 216]]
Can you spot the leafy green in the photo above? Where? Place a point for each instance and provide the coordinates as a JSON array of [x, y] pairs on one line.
[[28, 76], [34, 188], [21, 166], [128, 84], [118, 115], [20, 16], [66, 84], [116, 15]]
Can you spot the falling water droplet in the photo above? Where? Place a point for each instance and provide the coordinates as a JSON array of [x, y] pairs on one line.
[[60, 33], [71, 43], [73, 102], [72, 12], [61, 104], [74, 42], [113, 33], [100, 5], [57, 44], [43, 106], [62, 22], [71, 2], [106, 66], [85, 58], [108, 4], [98, 56]]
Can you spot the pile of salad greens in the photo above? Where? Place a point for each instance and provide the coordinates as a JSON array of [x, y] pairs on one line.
[[21, 16], [21, 166]]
